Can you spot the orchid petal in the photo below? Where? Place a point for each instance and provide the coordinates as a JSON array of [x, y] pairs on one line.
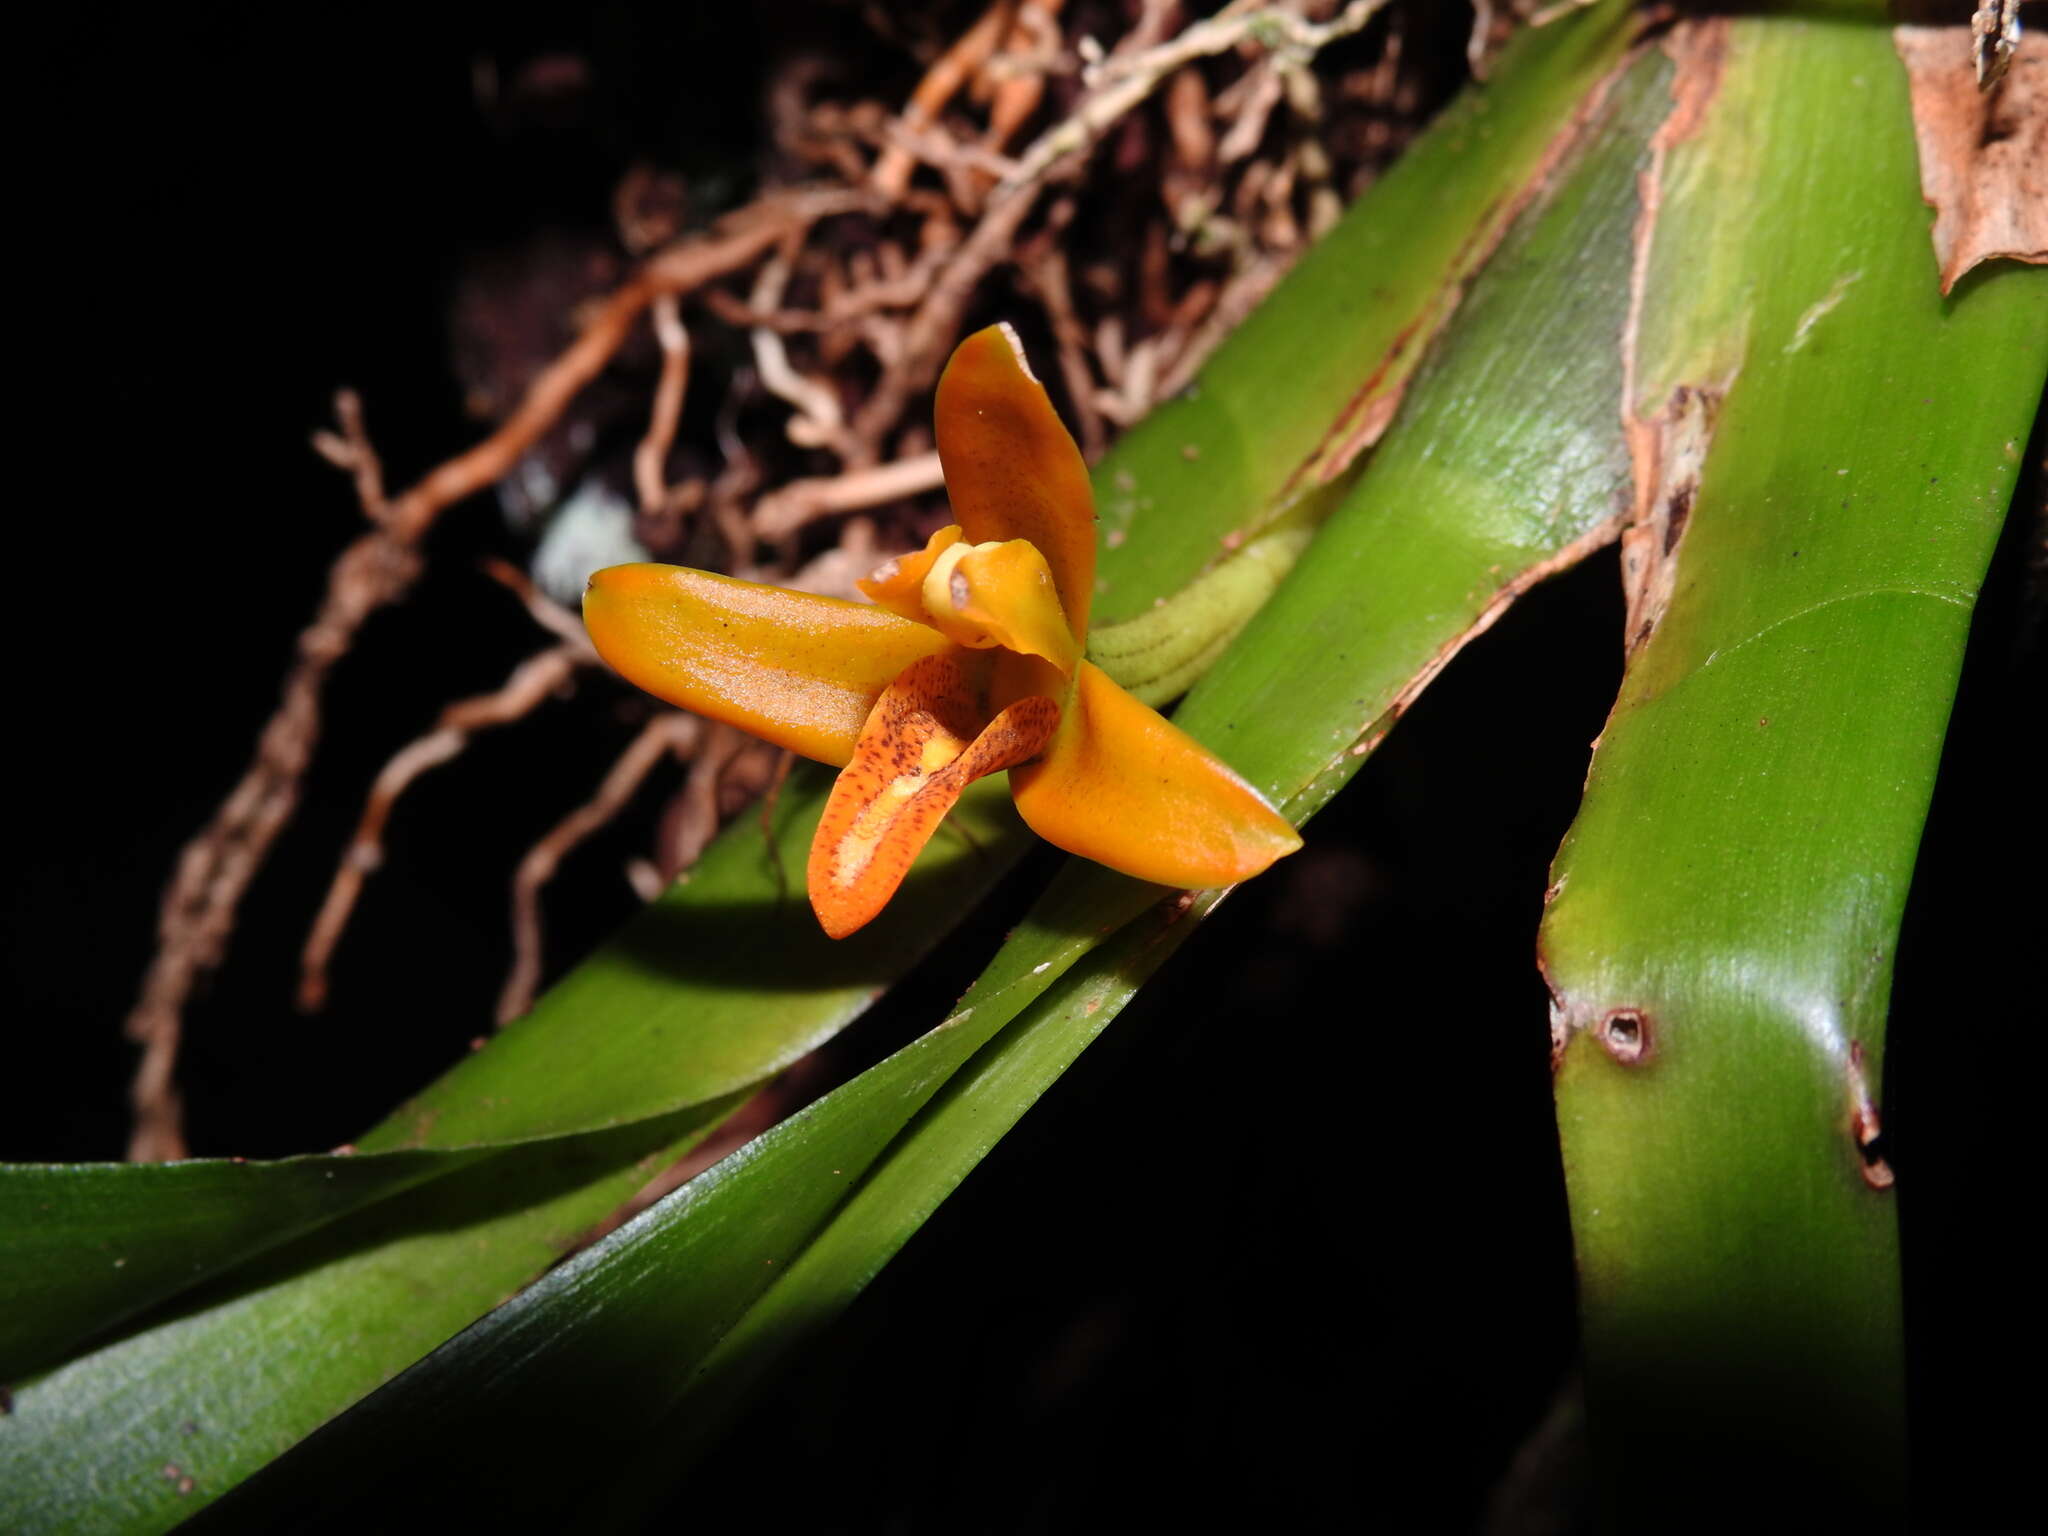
[[793, 669], [1012, 469], [922, 745], [1122, 785], [1001, 594], [898, 584]]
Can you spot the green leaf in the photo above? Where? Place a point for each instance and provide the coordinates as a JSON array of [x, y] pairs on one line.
[[618, 1071], [1302, 386], [1726, 905], [91, 1244], [1511, 437], [654, 1043], [617, 1041]]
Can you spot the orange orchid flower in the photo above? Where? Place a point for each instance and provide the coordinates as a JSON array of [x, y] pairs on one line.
[[968, 661]]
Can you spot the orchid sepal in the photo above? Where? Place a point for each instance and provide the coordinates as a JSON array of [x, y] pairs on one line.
[[792, 668], [969, 663]]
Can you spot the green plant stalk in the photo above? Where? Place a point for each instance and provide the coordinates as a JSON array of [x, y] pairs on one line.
[[1725, 908], [1512, 442]]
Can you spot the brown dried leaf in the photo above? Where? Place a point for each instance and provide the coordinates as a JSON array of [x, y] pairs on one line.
[[1983, 155]]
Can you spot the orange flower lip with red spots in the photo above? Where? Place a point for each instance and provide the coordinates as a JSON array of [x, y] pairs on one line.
[[968, 662]]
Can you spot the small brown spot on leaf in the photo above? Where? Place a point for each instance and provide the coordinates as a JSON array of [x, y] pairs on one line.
[[1669, 450], [1677, 508], [1625, 1034], [1864, 1124]]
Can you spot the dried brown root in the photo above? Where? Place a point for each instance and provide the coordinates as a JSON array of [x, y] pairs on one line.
[[1015, 80], [544, 610], [1043, 266], [781, 513], [215, 868], [951, 71], [531, 684], [819, 422], [736, 241], [1128, 77], [692, 818], [666, 735], [650, 459]]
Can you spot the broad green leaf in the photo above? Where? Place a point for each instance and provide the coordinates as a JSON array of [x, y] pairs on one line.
[[671, 1047], [616, 1073], [91, 1244], [694, 1038], [1297, 389], [1726, 906], [1511, 438]]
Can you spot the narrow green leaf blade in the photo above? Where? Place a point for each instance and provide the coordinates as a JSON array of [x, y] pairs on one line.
[[90, 1244], [527, 1144]]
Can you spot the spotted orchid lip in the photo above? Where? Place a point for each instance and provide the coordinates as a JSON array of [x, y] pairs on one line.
[[968, 662]]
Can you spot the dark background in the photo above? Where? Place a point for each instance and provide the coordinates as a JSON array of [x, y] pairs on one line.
[[1338, 1284]]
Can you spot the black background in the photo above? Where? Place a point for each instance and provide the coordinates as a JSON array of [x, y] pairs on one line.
[[1289, 1241]]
